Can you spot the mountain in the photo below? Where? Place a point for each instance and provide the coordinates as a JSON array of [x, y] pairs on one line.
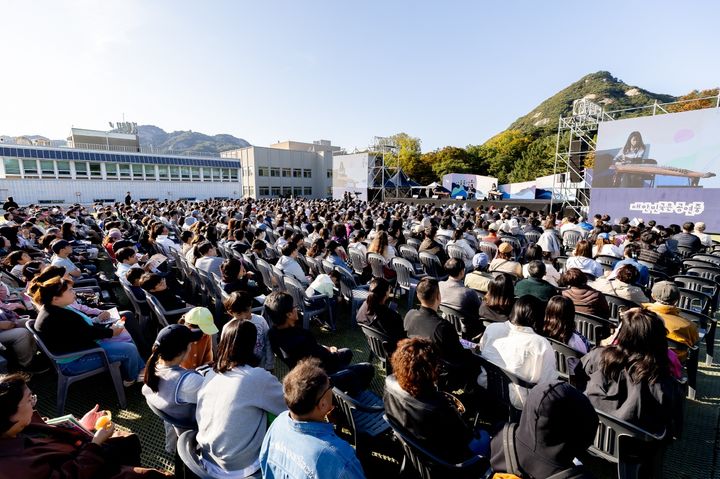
[[187, 141], [600, 87]]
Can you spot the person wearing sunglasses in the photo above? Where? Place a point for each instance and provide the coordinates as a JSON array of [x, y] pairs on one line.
[[32, 449]]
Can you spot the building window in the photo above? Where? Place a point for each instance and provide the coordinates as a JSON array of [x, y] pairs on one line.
[[276, 191], [252, 191], [163, 172], [137, 171], [30, 167], [263, 171], [63, 168], [174, 173], [96, 170], [124, 171], [297, 173], [286, 191], [185, 173], [286, 172], [81, 169], [195, 174], [234, 175], [307, 173], [275, 172], [297, 191], [307, 191], [245, 190], [48, 168], [12, 166], [264, 190], [111, 171], [329, 173]]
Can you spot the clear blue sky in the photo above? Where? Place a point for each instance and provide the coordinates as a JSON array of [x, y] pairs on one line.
[[449, 72]]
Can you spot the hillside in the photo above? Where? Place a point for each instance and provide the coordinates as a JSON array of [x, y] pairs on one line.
[[600, 87], [187, 141]]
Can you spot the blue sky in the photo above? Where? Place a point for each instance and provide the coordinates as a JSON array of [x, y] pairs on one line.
[[449, 72]]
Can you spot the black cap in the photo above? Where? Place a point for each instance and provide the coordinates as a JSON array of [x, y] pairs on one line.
[[177, 337]]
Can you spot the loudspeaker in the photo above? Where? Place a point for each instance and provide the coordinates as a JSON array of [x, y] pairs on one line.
[[578, 151]]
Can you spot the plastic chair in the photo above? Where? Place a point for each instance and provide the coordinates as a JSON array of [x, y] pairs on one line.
[[695, 301], [490, 249], [594, 328], [562, 353], [708, 258], [364, 414], [560, 262], [615, 437], [265, 270], [706, 327], [314, 266], [617, 305], [357, 261], [432, 266], [606, 261], [690, 363], [406, 278], [378, 263], [65, 380], [380, 346], [455, 251], [429, 466], [353, 293], [187, 448], [532, 236], [499, 381], [570, 238], [309, 305], [160, 312], [696, 283], [703, 272], [455, 318], [410, 253]]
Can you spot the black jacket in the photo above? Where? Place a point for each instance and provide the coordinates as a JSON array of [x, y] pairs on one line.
[[426, 323], [65, 331]]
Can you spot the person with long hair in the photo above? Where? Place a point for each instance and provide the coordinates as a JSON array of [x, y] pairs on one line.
[[582, 259], [516, 347], [381, 245], [499, 299], [233, 404], [631, 379], [633, 150], [376, 313], [604, 246], [239, 306], [168, 386], [335, 255], [412, 400], [560, 324], [32, 449]]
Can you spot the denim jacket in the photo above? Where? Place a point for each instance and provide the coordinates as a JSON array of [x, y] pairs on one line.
[[306, 450]]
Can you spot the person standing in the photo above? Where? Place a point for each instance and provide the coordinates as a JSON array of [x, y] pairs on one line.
[[128, 199]]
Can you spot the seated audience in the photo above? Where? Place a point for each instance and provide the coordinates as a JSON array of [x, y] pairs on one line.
[[157, 286], [376, 313], [556, 426], [413, 401], [478, 279], [535, 252], [288, 264], [504, 262], [32, 449], [233, 404], [586, 299], [582, 260], [687, 239], [666, 295], [499, 299], [201, 351], [304, 430], [622, 284], [464, 300], [293, 343], [535, 285], [207, 258], [430, 245], [560, 324], [516, 347], [631, 379], [239, 306], [631, 252], [604, 247]]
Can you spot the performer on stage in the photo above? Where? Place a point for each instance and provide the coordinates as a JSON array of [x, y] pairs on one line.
[[632, 154], [494, 194]]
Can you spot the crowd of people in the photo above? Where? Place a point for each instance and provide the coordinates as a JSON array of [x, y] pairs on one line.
[[516, 279]]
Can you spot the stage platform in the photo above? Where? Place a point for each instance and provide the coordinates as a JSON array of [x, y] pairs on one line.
[[533, 205]]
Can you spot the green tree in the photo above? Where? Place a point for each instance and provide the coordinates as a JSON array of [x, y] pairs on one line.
[[408, 156], [450, 159], [502, 151], [538, 159]]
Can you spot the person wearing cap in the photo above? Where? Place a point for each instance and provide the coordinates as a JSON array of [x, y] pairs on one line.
[[557, 424], [492, 236], [478, 279], [201, 352], [233, 405], [504, 262], [61, 251], [239, 306], [168, 385], [665, 295]]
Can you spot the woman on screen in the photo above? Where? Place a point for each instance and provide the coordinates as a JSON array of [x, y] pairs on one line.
[[633, 150]]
